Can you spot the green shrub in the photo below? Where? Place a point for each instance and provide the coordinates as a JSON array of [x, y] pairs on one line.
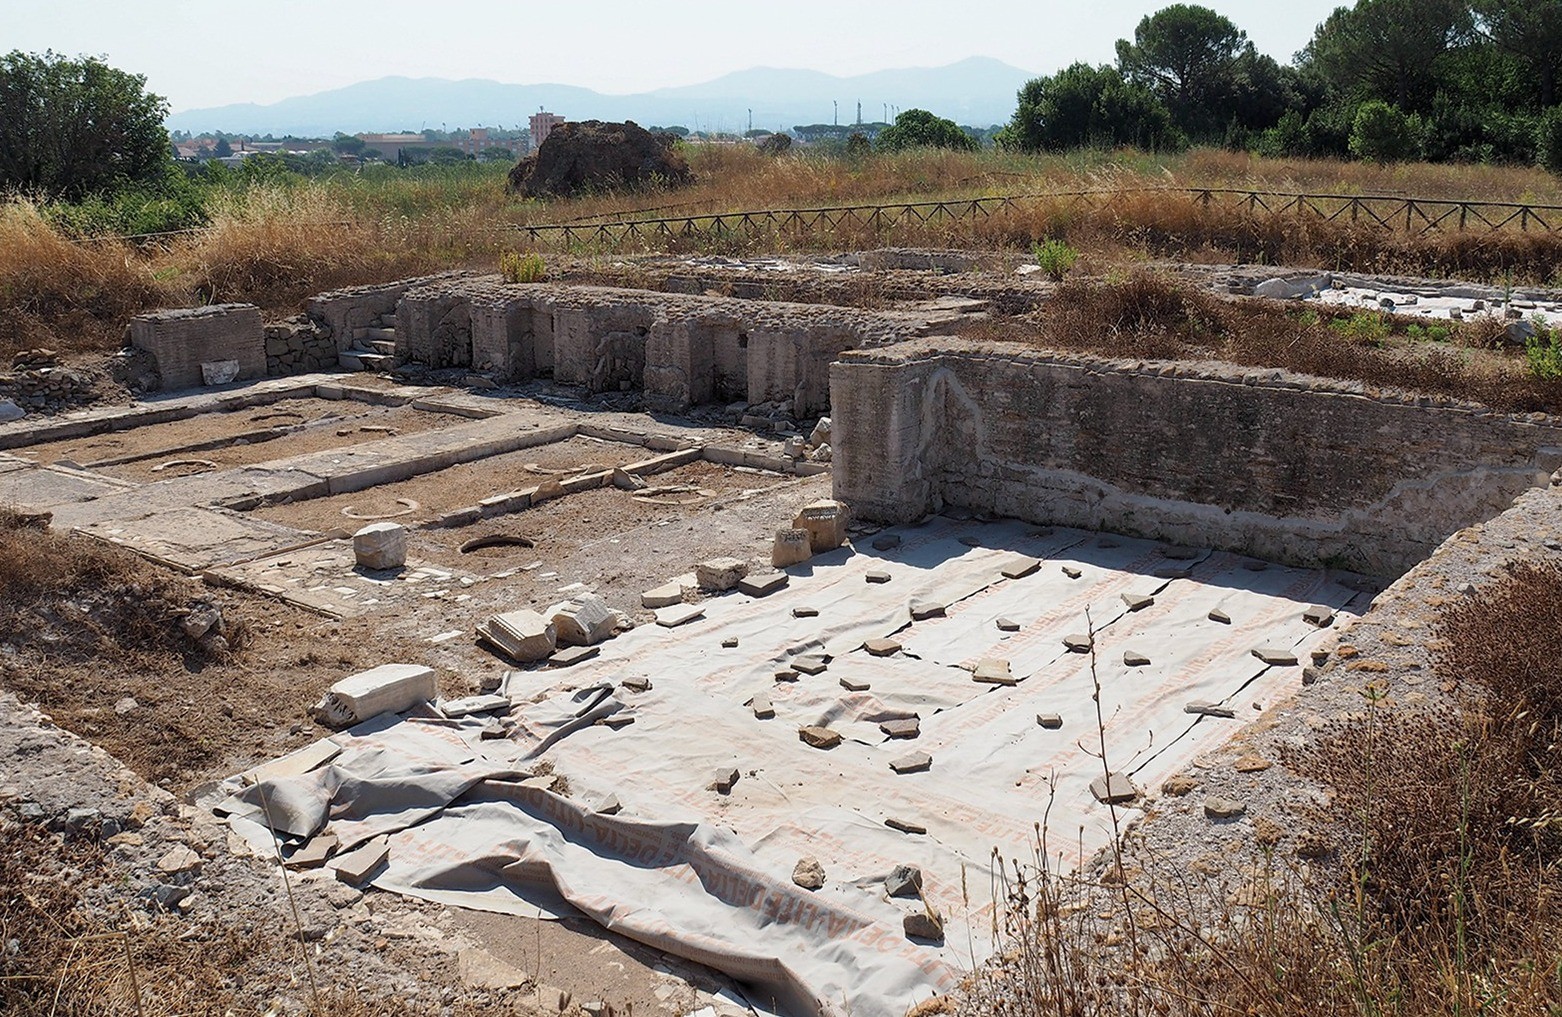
[[521, 268], [1383, 133], [1543, 350], [1363, 327], [1055, 257]]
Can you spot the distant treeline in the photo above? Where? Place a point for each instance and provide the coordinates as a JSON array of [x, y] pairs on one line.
[[1384, 79]]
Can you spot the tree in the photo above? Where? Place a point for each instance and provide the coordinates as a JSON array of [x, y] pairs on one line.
[[347, 144], [1388, 49], [1532, 31], [497, 153], [1083, 105], [446, 155], [917, 128], [70, 128], [1383, 133], [1188, 56], [222, 149]]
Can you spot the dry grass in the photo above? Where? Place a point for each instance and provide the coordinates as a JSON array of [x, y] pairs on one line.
[[275, 243], [1154, 316]]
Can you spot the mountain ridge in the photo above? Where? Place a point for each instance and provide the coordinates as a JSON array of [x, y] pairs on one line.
[[977, 91]]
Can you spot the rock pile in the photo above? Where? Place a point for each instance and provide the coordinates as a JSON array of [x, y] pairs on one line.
[[36, 381], [597, 156]]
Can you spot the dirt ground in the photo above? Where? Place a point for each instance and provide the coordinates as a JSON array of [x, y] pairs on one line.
[[238, 438]]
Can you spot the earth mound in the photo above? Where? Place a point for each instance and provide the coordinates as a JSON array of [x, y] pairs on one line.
[[595, 156]]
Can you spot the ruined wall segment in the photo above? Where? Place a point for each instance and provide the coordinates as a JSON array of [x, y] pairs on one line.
[[1285, 467], [181, 341]]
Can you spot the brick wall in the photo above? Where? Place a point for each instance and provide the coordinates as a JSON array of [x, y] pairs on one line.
[[181, 341]]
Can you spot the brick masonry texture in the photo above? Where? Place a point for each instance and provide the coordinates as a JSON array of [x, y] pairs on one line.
[[181, 341]]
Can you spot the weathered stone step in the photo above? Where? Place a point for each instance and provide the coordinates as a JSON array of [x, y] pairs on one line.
[[369, 335], [362, 360]]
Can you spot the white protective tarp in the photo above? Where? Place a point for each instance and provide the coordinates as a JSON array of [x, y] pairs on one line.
[[707, 876]]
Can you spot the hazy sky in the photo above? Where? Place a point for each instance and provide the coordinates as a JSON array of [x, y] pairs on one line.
[[220, 51]]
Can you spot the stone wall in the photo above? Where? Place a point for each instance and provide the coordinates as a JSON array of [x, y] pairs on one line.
[[341, 314], [680, 350], [1284, 467], [181, 341], [297, 346]]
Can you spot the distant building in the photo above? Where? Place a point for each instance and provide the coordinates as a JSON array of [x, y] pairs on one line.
[[392, 146], [542, 125]]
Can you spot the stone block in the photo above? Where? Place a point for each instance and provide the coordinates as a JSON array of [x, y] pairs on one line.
[[1113, 789], [522, 635], [181, 341], [791, 547], [583, 620], [819, 737], [389, 688], [720, 574], [825, 522], [881, 647], [808, 874], [916, 762], [901, 727], [381, 545]]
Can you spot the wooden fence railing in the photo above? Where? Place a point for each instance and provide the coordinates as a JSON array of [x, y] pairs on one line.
[[1413, 215]]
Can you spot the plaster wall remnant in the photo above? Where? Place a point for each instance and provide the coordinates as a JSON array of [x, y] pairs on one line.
[[1285, 467], [181, 341]]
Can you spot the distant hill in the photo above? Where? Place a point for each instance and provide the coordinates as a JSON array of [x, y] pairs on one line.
[[978, 91]]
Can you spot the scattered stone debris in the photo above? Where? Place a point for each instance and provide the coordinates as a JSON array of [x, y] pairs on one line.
[[810, 664], [853, 685], [609, 806], [1275, 656], [993, 671], [1113, 789], [679, 614], [1319, 615], [921, 610], [1078, 642], [730, 643], [877, 576], [720, 574], [638, 683], [915, 762], [762, 708], [904, 825], [1252, 763], [808, 873], [1217, 615], [1137, 601], [569, 656], [881, 647], [804, 611], [763, 586], [1216, 807], [1008, 625], [1072, 572], [1203, 709], [1133, 658], [925, 924], [1020, 568], [726, 778], [356, 867], [1050, 721], [1179, 785], [665, 595], [819, 737], [901, 727], [904, 881]]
